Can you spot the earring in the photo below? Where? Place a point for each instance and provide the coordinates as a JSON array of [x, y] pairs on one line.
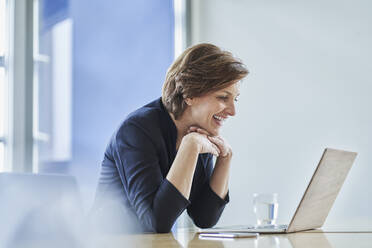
[[188, 101]]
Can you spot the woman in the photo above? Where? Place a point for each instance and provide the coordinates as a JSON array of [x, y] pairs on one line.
[[160, 160]]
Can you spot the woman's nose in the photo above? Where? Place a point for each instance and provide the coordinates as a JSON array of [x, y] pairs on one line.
[[231, 109]]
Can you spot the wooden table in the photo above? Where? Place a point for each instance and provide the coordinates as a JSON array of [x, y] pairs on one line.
[[188, 238]]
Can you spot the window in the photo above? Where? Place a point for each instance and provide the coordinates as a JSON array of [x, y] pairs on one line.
[[2, 82], [2, 27], [35, 84], [52, 84]]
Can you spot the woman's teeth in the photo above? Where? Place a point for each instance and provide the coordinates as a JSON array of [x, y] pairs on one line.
[[218, 117]]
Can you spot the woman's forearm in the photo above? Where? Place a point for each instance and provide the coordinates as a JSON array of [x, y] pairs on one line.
[[220, 178], [182, 170]]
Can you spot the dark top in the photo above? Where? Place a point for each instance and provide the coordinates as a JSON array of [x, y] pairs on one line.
[[134, 170]]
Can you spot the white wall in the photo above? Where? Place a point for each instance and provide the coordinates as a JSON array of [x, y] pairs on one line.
[[309, 88]]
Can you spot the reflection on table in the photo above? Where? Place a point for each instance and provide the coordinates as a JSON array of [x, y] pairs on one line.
[[189, 238]]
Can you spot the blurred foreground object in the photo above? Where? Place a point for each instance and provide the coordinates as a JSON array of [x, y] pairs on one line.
[[39, 210]]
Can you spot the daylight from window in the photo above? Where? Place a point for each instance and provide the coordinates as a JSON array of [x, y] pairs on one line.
[[2, 81]]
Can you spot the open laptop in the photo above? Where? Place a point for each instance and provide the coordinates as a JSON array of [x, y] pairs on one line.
[[317, 200]]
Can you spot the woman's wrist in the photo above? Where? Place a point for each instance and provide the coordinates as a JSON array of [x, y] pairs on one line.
[[226, 159]]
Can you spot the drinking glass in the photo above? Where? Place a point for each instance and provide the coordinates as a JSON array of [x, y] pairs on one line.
[[265, 206]]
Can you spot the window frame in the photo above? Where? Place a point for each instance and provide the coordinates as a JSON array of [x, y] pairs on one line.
[[3, 137], [18, 64]]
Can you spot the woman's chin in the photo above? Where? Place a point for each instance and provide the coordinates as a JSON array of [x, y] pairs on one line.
[[212, 130]]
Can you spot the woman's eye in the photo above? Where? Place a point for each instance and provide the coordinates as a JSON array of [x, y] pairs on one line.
[[236, 99], [224, 98]]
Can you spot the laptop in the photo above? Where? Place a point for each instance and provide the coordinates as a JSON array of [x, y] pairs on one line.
[[317, 200]]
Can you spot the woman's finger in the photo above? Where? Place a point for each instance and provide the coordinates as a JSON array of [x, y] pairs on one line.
[[202, 131], [220, 138], [197, 129], [216, 150], [220, 143], [193, 128], [216, 141]]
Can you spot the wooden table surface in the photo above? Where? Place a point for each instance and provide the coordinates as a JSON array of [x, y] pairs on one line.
[[187, 238]]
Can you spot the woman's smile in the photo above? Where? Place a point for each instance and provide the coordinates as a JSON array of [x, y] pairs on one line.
[[219, 119]]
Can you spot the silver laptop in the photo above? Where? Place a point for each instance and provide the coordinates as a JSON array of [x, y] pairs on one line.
[[317, 200]]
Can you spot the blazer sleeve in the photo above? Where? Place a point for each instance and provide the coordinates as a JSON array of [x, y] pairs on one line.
[[156, 202], [206, 207]]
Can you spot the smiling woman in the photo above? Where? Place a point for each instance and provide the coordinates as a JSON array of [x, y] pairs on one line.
[[160, 160]]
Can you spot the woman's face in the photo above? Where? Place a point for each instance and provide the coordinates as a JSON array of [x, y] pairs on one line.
[[210, 111]]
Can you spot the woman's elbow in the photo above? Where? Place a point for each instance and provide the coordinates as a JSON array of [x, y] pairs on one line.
[[204, 223]]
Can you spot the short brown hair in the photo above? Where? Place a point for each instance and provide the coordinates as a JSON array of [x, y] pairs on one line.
[[199, 70]]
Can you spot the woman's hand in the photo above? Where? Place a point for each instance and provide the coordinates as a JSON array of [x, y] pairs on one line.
[[204, 144], [224, 148], [219, 180]]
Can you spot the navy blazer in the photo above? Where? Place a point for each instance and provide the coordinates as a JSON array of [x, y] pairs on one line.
[[133, 174]]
